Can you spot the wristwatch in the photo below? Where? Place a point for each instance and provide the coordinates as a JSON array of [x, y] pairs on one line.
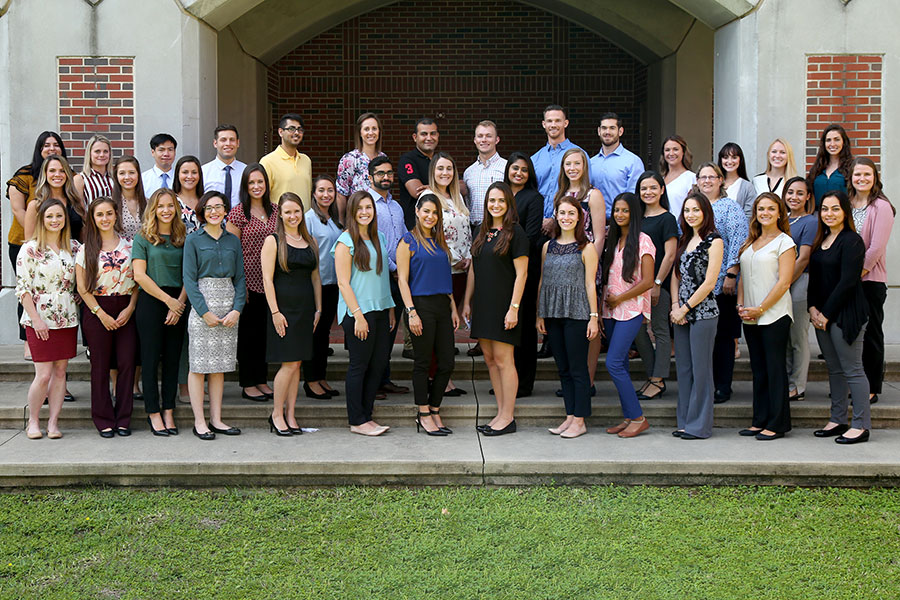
[[657, 282], [515, 306], [410, 309]]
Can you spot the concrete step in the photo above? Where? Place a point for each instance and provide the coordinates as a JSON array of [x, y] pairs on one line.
[[333, 456], [541, 409], [14, 368]]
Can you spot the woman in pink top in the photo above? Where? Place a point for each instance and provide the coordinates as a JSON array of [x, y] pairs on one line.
[[873, 216], [628, 261]]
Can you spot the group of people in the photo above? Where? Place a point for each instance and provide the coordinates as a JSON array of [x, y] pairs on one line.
[[223, 263]]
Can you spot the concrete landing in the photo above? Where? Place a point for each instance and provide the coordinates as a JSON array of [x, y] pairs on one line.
[[401, 457]]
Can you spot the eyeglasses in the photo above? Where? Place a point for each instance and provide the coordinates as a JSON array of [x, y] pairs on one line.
[[707, 178], [213, 207], [293, 129], [384, 173]]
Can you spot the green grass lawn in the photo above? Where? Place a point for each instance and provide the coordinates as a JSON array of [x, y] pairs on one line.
[[540, 542]]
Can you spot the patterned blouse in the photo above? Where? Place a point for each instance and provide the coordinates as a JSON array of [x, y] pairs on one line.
[[692, 272], [731, 223], [457, 233], [353, 172], [131, 224], [50, 279], [188, 217], [616, 284], [253, 234], [115, 277]]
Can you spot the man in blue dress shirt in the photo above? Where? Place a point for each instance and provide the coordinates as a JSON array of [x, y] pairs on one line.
[[547, 160], [614, 169]]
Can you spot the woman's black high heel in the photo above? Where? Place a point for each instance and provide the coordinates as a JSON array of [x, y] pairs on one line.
[[280, 432], [441, 428], [312, 394], [437, 432], [160, 432]]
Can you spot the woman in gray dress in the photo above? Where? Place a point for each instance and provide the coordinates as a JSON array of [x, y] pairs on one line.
[[215, 285]]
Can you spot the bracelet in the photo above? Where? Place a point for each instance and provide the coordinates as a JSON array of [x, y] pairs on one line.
[[95, 310], [277, 312], [593, 314], [353, 312]]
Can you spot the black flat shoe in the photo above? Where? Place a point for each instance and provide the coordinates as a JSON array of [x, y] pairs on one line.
[[511, 428], [689, 436], [137, 396], [482, 428], [797, 397], [108, 434], [873, 399], [863, 437], [455, 392], [311, 394], [123, 431], [749, 432], [332, 393], [229, 431], [279, 432], [677, 433], [159, 432], [260, 398], [720, 397], [269, 395], [68, 397], [834, 431], [209, 435], [765, 438]]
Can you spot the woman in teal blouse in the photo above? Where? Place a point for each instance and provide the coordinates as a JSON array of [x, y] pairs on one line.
[[215, 285], [157, 262], [361, 264]]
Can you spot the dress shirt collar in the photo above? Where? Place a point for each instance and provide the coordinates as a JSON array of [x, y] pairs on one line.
[[491, 161], [563, 145], [618, 151], [377, 197], [158, 172]]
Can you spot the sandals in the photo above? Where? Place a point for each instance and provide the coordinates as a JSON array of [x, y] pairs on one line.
[[660, 387]]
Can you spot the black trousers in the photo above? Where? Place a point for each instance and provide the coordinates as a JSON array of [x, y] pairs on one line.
[[13, 255], [873, 341], [526, 352], [315, 369], [367, 360], [767, 346], [570, 351], [727, 330], [399, 313], [251, 351], [437, 338], [159, 344]]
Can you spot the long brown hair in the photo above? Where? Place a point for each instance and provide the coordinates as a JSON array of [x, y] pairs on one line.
[[436, 241], [822, 157], [756, 229], [332, 208], [580, 236], [42, 189], [138, 188], [687, 232], [360, 250], [687, 159], [510, 218], [847, 208], [150, 226], [281, 234], [93, 240], [563, 184], [877, 191]]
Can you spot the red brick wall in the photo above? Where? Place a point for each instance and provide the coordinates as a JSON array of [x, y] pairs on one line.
[[845, 89], [457, 62], [96, 95]]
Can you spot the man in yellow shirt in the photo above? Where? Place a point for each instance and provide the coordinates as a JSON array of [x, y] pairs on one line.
[[288, 169]]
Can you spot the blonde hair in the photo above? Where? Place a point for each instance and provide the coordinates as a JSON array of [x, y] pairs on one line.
[[281, 234], [40, 233], [790, 167], [452, 189], [150, 226], [88, 165]]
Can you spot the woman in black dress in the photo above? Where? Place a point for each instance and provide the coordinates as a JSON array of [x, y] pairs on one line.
[[493, 294], [294, 294], [522, 181]]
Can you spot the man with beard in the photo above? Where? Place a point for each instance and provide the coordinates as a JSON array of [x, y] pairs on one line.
[[288, 169], [547, 160], [615, 169], [413, 169], [389, 217]]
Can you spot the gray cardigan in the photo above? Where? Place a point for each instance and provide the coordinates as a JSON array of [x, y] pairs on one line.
[[746, 194]]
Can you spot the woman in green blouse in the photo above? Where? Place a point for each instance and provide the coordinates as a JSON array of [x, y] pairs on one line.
[[156, 259]]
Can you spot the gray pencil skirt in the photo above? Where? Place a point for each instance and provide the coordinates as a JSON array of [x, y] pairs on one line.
[[213, 349]]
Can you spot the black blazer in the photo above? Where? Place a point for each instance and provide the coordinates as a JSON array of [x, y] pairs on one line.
[[835, 283]]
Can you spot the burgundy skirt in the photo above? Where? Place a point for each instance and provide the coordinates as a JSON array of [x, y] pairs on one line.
[[61, 344]]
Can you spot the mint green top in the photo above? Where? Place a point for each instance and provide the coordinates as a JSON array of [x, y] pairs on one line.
[[373, 291], [163, 260]]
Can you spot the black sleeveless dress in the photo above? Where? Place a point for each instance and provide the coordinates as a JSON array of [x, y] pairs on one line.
[[296, 301]]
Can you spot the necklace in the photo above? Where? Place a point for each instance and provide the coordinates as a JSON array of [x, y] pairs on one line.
[[492, 234], [290, 237]]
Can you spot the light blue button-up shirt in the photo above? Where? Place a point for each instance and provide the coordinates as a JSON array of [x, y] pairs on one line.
[[390, 223], [547, 162], [615, 173]]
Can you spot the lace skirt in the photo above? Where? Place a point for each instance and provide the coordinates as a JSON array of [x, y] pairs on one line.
[[213, 349]]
